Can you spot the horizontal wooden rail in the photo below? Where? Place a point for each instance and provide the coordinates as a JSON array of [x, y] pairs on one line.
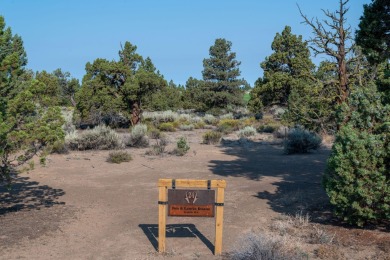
[[186, 183]]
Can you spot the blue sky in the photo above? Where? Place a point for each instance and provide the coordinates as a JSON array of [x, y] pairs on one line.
[[175, 34]]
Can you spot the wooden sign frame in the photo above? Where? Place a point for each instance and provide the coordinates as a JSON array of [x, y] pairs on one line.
[[164, 184]]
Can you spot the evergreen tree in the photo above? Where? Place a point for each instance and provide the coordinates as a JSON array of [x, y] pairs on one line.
[[221, 76], [357, 178], [373, 33], [13, 59], [287, 68]]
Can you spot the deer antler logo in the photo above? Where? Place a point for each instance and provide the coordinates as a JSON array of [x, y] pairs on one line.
[[191, 197]]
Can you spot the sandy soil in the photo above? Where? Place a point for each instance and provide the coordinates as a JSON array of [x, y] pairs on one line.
[[79, 206]]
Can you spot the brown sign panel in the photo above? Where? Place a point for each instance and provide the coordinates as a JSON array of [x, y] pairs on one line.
[[191, 203]]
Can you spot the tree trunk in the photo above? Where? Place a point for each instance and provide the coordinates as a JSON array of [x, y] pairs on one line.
[[135, 114]]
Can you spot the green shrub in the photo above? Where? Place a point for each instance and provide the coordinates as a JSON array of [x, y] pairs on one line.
[[357, 178], [301, 141], [154, 133], [186, 127], [138, 136], [226, 116], [247, 131], [119, 157], [268, 128], [159, 147], [99, 138], [59, 147], [212, 137], [199, 125], [210, 119], [167, 127], [232, 123], [181, 147]]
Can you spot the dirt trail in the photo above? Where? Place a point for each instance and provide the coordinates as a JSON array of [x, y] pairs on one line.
[[81, 207]]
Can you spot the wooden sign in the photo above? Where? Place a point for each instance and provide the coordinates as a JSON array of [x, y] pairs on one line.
[[217, 205], [191, 203]]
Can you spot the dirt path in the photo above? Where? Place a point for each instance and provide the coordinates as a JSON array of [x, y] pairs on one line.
[[81, 207]]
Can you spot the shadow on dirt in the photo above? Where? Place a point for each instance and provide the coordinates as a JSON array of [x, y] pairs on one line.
[[26, 194], [174, 230], [298, 188]]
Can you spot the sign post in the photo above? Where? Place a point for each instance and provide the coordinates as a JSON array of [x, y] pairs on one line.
[[191, 203]]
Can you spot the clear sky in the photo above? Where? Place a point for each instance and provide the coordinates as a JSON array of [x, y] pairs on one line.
[[175, 34]]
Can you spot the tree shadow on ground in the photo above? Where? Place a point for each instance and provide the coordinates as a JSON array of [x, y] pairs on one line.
[[298, 188], [27, 194], [174, 230]]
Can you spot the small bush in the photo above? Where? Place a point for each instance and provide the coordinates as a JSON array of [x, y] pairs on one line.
[[119, 157], [99, 138], [59, 147], [186, 127], [182, 147], [247, 131], [262, 246], [196, 120], [154, 133], [281, 132], [212, 137], [199, 125], [167, 127], [268, 128], [226, 116], [159, 147], [210, 119], [248, 121], [233, 123], [138, 137], [301, 141]]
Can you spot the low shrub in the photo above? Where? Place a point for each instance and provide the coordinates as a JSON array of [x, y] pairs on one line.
[[226, 116], [210, 119], [98, 138], [262, 246], [281, 132], [167, 127], [212, 137], [232, 123], [138, 136], [59, 147], [248, 121], [301, 141], [196, 120], [154, 133], [119, 157], [186, 127], [199, 125], [247, 131], [181, 147], [159, 147], [268, 128]]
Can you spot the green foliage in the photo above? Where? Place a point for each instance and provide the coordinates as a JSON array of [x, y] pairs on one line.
[[159, 147], [220, 74], [167, 127], [287, 68], [301, 141], [357, 178], [27, 127], [211, 137], [247, 131], [111, 89], [138, 137], [189, 127], [98, 138], [182, 147], [119, 157], [373, 33], [234, 124], [167, 98]]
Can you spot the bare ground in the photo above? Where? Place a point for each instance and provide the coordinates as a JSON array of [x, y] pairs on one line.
[[79, 206]]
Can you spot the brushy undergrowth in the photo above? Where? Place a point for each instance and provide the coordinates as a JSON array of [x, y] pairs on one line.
[[138, 137], [247, 131], [255, 246], [119, 157], [212, 137], [210, 119], [167, 127], [159, 147], [98, 138], [182, 147], [301, 141], [186, 127]]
